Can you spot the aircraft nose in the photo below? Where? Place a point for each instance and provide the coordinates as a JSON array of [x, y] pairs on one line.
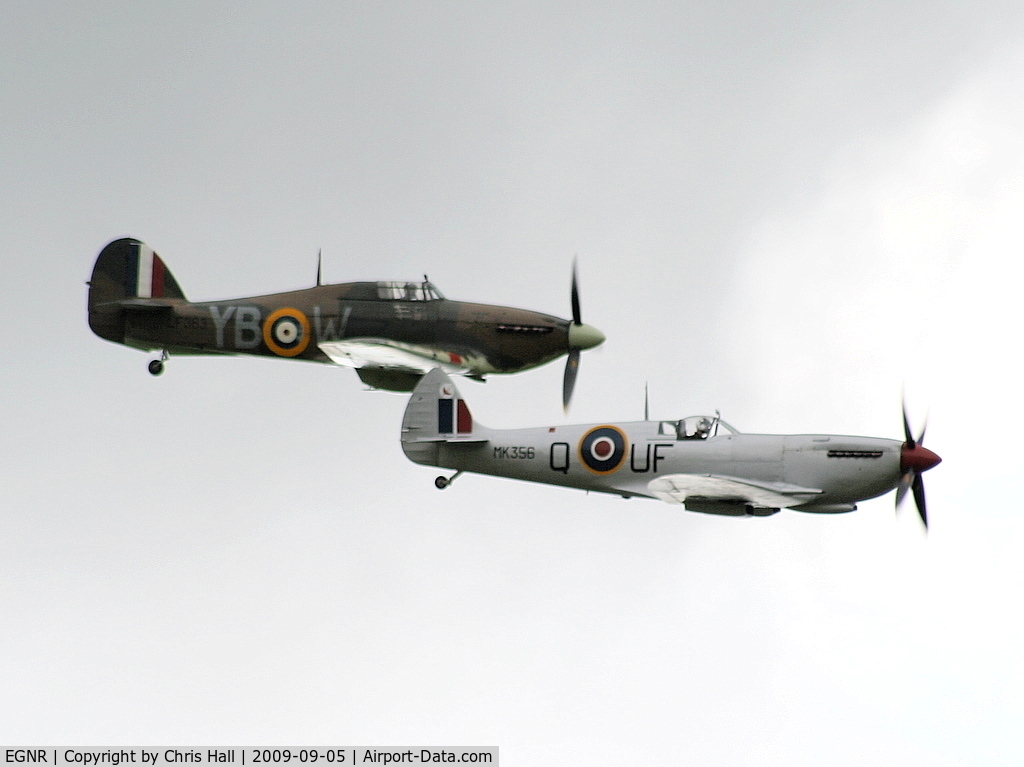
[[583, 336], [918, 458]]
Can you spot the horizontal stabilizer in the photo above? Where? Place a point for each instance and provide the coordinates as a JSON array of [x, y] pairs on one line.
[[450, 440], [142, 304]]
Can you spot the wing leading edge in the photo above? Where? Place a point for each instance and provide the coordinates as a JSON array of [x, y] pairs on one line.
[[393, 355]]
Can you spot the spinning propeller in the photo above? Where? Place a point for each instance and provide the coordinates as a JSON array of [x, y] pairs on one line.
[[915, 459], [580, 337]]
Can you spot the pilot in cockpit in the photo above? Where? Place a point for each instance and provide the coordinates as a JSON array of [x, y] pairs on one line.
[[694, 428]]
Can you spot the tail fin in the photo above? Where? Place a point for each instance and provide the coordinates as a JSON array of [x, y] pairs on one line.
[[126, 270], [437, 413]]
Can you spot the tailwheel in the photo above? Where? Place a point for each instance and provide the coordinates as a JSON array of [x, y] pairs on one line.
[[442, 482], [156, 367]]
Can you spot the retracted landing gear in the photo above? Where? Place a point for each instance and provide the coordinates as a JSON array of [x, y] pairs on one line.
[[442, 482], [156, 367]]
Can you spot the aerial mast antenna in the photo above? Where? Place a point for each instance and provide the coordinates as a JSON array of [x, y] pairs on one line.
[[319, 264], [647, 413]]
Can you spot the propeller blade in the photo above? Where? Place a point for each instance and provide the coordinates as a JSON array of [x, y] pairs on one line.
[[904, 485], [572, 367], [575, 296], [913, 480], [919, 499], [908, 437]]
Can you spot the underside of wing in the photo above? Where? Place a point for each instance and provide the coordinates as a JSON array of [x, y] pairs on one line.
[[386, 354], [710, 490]]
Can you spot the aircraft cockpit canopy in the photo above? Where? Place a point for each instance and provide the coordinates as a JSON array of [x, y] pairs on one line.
[[408, 291], [696, 427]]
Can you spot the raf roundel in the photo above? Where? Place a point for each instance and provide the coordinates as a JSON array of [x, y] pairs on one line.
[[286, 332], [603, 449]]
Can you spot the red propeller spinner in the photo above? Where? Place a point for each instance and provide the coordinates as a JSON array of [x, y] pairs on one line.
[[917, 457]]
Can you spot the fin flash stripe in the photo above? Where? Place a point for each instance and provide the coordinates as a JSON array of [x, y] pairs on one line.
[[145, 274], [453, 417]]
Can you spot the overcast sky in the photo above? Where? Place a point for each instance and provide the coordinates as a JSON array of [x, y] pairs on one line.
[[787, 211]]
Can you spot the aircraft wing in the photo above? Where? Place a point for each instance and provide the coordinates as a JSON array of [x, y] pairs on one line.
[[392, 355], [677, 488]]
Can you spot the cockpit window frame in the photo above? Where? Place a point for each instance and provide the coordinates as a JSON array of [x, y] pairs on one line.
[[680, 431], [417, 292]]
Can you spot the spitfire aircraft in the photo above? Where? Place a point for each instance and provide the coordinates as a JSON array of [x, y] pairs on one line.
[[700, 462], [392, 333]]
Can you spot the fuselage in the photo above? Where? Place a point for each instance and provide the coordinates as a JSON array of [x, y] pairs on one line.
[[486, 338], [844, 469]]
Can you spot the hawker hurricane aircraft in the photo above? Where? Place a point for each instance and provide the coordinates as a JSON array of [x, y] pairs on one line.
[[392, 333], [701, 461]]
